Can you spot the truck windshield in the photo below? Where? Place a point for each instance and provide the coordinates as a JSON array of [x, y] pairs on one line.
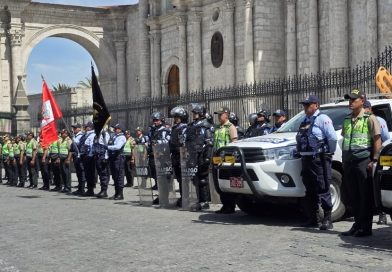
[[337, 114]]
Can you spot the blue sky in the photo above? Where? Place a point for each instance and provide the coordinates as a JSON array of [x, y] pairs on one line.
[[69, 67]]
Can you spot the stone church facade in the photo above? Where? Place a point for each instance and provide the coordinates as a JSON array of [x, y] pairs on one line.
[[168, 47]]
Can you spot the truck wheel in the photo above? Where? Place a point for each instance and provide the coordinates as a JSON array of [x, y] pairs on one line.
[[338, 209], [248, 205]]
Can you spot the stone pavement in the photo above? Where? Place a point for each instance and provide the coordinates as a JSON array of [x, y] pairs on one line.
[[47, 231]]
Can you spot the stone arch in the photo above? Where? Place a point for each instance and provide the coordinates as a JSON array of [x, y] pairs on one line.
[[95, 45], [173, 61]]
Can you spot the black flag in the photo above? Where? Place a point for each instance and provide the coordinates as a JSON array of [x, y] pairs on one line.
[[100, 112]]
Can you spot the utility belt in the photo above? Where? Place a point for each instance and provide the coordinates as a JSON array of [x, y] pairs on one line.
[[115, 153], [54, 155], [313, 153]]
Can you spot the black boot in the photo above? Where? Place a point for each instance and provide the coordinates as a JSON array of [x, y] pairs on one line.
[[382, 219], [89, 192], [102, 194], [326, 223]]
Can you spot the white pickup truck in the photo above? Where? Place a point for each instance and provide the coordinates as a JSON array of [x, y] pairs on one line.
[[266, 168]]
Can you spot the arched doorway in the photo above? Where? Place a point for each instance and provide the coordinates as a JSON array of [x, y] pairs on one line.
[[173, 81]]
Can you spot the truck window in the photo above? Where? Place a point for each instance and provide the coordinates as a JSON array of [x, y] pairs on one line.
[[337, 115], [384, 111]]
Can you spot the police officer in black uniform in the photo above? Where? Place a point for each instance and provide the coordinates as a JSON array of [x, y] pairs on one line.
[[251, 131], [100, 151], [78, 135], [233, 118], [263, 122], [177, 140], [85, 146], [199, 131], [116, 161]]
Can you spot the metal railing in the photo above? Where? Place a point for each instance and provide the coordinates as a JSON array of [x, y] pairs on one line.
[[244, 99]]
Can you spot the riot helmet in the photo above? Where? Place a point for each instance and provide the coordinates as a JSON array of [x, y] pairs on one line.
[[199, 109], [233, 118], [181, 113], [157, 116], [209, 118], [265, 113], [252, 118]]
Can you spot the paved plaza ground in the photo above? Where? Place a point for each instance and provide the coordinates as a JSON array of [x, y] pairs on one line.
[[47, 231]]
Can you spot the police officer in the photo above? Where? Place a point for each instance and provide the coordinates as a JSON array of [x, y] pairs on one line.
[[158, 134], [77, 161], [5, 156], [43, 161], [87, 157], [177, 140], [233, 118], [55, 165], [382, 218], [65, 156], [280, 117], [360, 148], [224, 134], [21, 160], [101, 163], [316, 143], [128, 158], [116, 160], [13, 178], [251, 131], [31, 153], [263, 122]]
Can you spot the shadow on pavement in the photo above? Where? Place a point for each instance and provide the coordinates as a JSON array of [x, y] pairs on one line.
[[272, 215], [29, 197], [381, 240]]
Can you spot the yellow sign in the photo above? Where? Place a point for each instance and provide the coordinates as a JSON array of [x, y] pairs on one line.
[[386, 160], [230, 159], [217, 160], [384, 80]]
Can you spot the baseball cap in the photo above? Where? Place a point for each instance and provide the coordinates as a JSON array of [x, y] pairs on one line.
[[30, 133], [222, 110], [89, 124], [355, 94], [279, 113], [367, 104], [116, 126], [77, 125], [139, 128], [63, 131], [311, 99]]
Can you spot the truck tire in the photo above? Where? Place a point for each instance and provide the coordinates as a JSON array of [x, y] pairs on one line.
[[338, 209], [248, 205]]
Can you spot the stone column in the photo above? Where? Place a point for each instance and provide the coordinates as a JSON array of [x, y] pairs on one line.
[[313, 37], [16, 35], [152, 60], [229, 45], [144, 51], [197, 52], [182, 52], [291, 38], [5, 102], [248, 47], [122, 93], [155, 37], [338, 23], [372, 28]]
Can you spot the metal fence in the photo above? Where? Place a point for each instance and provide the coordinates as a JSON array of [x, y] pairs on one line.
[[244, 99]]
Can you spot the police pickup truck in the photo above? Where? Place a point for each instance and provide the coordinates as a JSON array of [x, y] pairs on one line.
[[267, 168]]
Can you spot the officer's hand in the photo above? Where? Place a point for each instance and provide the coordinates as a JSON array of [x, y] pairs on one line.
[[32, 162], [20, 162], [66, 161], [370, 166], [43, 161]]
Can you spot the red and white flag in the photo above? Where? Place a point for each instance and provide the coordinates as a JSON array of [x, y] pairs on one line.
[[50, 112]]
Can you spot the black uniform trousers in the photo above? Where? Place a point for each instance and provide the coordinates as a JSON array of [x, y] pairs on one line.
[[55, 165], [7, 169], [103, 172], [13, 179], [316, 176], [176, 165], [44, 170], [79, 169], [21, 170], [201, 179], [359, 187], [89, 172], [117, 170], [128, 170], [65, 173], [32, 169]]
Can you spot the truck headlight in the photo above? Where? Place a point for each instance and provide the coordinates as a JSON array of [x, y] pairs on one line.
[[281, 153]]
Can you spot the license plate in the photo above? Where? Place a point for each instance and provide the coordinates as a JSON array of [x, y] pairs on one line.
[[230, 159], [236, 182], [386, 160]]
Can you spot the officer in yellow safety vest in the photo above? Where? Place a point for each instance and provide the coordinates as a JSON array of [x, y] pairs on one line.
[[5, 156], [55, 165], [65, 155], [360, 149], [20, 158], [128, 162], [43, 160], [13, 177], [31, 153], [224, 134]]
